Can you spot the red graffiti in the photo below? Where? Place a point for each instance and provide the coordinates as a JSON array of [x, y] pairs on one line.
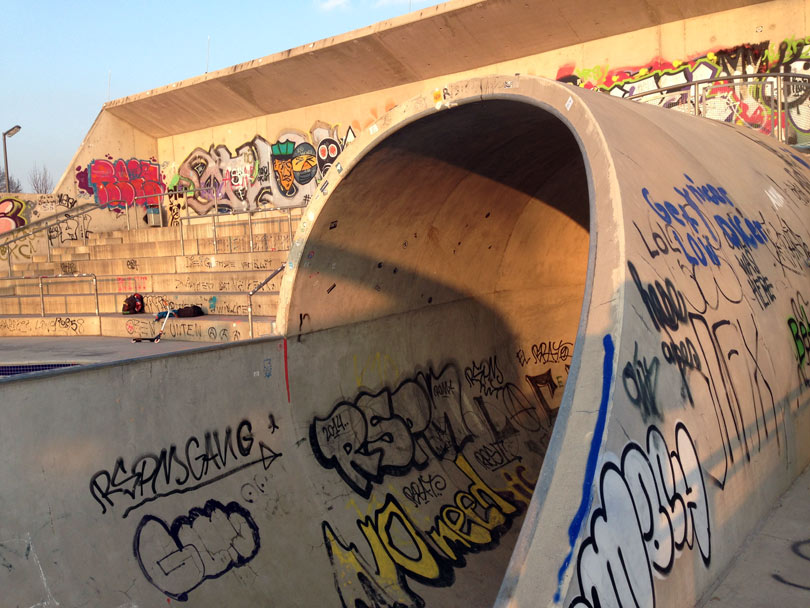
[[132, 284], [120, 183], [11, 214]]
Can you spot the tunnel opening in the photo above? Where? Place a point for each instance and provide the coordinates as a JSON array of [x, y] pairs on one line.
[[452, 259], [486, 203]]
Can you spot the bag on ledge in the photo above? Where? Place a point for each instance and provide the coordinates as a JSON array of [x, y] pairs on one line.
[[133, 304], [190, 311]]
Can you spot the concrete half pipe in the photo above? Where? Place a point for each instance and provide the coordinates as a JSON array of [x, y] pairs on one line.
[[542, 347]]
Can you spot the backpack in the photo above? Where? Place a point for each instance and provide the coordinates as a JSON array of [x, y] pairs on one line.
[[133, 304], [190, 311]]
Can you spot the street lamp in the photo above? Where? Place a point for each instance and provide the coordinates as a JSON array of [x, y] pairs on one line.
[[10, 133]]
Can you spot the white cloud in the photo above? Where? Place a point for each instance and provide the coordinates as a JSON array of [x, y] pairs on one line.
[[329, 5]]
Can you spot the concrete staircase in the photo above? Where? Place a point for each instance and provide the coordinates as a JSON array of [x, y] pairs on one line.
[[215, 274]]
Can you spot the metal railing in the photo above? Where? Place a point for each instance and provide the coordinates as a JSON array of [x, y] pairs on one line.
[[253, 292], [774, 103], [152, 210], [213, 216], [29, 230], [42, 279]]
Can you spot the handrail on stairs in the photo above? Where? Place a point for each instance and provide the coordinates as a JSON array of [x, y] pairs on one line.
[[38, 226], [249, 212], [253, 291], [34, 228], [41, 280]]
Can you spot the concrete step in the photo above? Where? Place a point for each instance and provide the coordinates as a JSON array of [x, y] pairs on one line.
[[69, 256], [145, 265], [208, 328], [204, 229], [223, 244], [220, 303], [239, 281]]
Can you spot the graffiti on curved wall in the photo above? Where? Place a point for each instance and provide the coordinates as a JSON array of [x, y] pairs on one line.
[[753, 104], [461, 447], [707, 271], [259, 173]]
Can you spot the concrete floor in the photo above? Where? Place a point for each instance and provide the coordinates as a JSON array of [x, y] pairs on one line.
[[84, 350], [773, 566]]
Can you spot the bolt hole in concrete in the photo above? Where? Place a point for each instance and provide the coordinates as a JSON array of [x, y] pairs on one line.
[[487, 328]]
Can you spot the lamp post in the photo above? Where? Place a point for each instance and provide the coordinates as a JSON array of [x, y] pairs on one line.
[[10, 133]]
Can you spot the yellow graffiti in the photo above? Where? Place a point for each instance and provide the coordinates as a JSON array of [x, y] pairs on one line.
[[476, 518], [22, 249], [378, 369]]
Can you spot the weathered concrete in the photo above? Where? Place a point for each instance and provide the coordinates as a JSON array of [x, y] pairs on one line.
[[506, 279]]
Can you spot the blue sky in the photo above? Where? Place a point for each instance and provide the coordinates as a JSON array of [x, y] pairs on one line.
[[58, 58]]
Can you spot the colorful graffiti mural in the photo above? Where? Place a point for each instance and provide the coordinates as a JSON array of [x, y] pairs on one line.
[[752, 102], [119, 184], [259, 173], [12, 214]]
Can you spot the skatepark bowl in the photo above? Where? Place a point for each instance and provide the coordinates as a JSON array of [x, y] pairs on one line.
[[496, 383]]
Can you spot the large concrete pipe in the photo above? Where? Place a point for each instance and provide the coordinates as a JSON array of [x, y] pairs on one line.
[[542, 347]]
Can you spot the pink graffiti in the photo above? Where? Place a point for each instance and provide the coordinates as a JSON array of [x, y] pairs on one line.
[[10, 214], [132, 284], [120, 184], [81, 180]]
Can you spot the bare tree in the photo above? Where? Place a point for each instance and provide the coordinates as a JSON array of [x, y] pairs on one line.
[[13, 182], [40, 180]]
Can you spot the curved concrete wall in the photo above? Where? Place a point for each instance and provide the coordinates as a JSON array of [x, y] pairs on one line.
[[507, 279]]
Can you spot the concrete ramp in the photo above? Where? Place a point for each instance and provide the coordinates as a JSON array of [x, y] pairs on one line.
[[542, 347]]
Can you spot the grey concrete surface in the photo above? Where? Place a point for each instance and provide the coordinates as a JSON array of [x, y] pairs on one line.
[[773, 567], [83, 349]]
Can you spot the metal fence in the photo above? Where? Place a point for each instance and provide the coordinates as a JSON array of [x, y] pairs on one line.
[[776, 104]]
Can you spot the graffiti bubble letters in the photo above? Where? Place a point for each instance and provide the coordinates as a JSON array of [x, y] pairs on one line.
[[205, 544], [153, 476], [11, 214], [653, 507], [389, 432], [120, 184], [473, 521]]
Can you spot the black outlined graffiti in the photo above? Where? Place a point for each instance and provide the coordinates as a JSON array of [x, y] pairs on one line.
[[474, 520], [205, 544], [394, 431], [653, 507], [538, 383], [391, 432]]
